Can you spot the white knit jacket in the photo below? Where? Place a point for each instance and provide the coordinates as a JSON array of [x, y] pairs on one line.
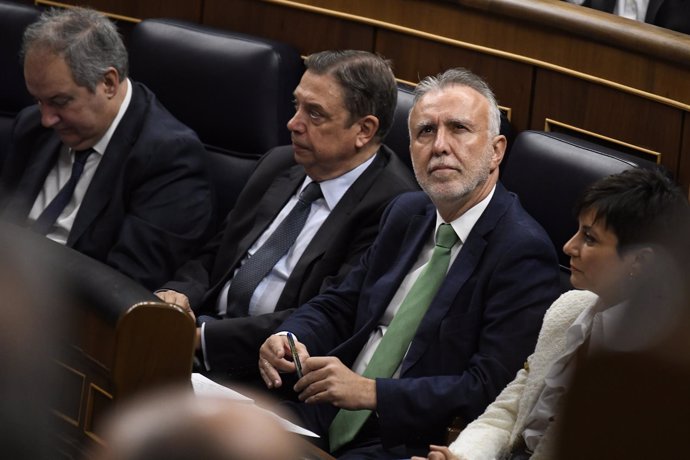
[[492, 435]]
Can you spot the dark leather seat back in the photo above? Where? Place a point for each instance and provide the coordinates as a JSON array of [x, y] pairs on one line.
[[549, 171], [234, 90], [14, 18], [398, 138]]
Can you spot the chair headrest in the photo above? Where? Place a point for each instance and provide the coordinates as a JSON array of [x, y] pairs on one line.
[[398, 138], [234, 90], [549, 172], [14, 18]]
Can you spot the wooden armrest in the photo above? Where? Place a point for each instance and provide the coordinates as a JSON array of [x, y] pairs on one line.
[[453, 430]]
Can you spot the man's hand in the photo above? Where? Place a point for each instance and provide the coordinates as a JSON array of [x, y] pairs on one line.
[[438, 453], [275, 356], [327, 380], [178, 299]]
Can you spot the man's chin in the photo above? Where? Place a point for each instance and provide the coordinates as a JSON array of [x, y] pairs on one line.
[[73, 142]]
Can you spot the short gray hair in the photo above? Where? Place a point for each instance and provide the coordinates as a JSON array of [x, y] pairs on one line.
[[462, 77], [86, 39]]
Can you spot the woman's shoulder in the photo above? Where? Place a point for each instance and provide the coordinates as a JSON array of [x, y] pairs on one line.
[[568, 307]]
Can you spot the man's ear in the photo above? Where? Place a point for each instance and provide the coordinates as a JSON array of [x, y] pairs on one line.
[[368, 127], [498, 144], [111, 82]]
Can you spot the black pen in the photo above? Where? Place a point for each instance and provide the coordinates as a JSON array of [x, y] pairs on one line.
[[295, 357]]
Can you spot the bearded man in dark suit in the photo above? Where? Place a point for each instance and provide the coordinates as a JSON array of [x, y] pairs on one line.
[[444, 307]]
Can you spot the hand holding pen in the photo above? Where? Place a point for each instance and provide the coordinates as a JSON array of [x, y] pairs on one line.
[[276, 355], [295, 356]]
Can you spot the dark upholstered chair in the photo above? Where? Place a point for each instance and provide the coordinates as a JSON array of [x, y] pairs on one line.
[[14, 18], [549, 171], [398, 138], [234, 90]]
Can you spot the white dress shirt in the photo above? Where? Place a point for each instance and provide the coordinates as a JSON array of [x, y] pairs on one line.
[[631, 9], [61, 172], [462, 226]]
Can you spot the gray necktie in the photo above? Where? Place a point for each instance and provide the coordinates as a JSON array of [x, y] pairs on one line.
[[264, 259]]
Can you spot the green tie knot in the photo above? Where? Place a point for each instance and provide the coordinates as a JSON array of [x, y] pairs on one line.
[[446, 236]]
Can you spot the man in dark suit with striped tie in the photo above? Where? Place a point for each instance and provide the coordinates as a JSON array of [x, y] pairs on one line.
[[99, 164], [306, 215]]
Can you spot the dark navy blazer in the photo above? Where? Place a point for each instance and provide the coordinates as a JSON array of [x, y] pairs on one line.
[[476, 334]]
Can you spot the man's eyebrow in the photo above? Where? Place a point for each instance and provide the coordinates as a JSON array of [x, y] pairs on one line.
[[424, 124], [461, 121], [308, 104]]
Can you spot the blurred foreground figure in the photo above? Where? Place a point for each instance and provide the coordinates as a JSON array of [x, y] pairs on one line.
[[177, 425], [27, 384], [633, 403]]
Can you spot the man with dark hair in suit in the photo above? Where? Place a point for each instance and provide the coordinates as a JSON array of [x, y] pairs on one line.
[[444, 307], [337, 176], [99, 164]]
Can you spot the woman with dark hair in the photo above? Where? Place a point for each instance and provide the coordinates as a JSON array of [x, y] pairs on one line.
[[626, 221]]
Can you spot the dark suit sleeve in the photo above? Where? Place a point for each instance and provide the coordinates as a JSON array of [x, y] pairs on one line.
[[471, 348], [168, 211], [233, 344], [197, 276], [523, 283]]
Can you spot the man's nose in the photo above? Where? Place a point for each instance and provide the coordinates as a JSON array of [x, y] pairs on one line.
[[440, 141], [295, 124], [49, 117]]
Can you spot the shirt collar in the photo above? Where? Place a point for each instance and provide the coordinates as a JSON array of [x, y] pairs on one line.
[[334, 189], [463, 225], [102, 144]]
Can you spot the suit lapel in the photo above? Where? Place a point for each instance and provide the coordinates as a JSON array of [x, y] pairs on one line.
[[653, 10], [462, 269], [38, 168], [340, 215], [604, 5], [277, 194], [110, 167], [381, 293]]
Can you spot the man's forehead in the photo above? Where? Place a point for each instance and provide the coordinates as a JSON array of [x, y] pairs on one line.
[[449, 102], [47, 72], [320, 89]]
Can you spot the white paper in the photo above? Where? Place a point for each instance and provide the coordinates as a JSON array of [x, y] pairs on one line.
[[203, 386], [289, 426]]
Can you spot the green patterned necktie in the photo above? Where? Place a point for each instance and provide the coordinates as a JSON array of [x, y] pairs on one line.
[[396, 340]]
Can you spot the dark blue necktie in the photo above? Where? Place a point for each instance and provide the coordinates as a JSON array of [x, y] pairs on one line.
[[264, 259], [46, 221]]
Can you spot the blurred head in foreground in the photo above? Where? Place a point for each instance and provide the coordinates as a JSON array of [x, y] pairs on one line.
[[178, 425], [30, 322]]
